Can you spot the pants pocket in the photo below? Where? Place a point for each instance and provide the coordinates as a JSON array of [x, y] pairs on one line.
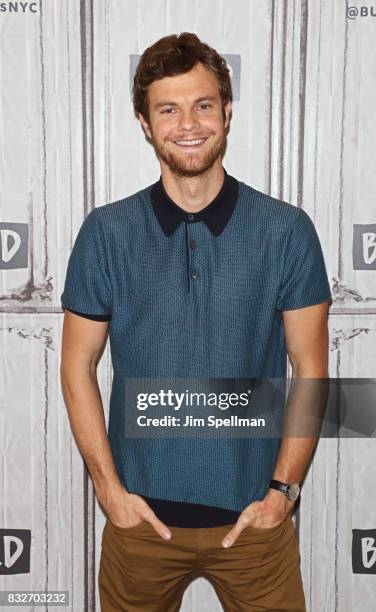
[[125, 530]]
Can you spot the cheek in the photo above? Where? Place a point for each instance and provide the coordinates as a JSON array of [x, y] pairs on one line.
[[214, 124], [164, 130]]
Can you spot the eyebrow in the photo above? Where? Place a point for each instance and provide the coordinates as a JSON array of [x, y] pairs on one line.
[[201, 99]]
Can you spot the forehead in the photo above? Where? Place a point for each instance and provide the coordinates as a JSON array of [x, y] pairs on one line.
[[191, 85]]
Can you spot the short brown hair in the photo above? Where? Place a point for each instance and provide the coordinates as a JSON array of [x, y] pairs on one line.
[[173, 55]]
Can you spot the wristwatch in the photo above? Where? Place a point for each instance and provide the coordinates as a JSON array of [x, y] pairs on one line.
[[291, 491]]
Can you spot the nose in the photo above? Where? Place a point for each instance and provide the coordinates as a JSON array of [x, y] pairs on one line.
[[188, 120]]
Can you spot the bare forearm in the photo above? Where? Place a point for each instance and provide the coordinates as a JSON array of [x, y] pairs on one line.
[[304, 410], [84, 405], [293, 459]]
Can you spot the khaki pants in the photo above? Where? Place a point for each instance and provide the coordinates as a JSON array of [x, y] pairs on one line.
[[140, 572]]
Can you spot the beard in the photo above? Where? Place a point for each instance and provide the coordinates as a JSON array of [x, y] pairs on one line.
[[190, 164]]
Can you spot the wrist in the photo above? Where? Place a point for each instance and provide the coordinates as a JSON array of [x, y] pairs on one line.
[[277, 499], [290, 489], [104, 489]]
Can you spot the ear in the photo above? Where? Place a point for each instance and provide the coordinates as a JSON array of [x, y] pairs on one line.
[[228, 113], [145, 125]]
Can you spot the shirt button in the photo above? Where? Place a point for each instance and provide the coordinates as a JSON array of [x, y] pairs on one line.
[[195, 274], [191, 217], [193, 244]]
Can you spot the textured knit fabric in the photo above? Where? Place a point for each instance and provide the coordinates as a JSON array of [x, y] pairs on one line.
[[226, 322]]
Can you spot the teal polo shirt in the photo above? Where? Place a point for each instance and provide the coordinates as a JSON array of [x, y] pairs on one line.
[[195, 296]]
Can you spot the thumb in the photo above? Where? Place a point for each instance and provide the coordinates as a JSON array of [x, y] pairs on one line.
[[161, 529]]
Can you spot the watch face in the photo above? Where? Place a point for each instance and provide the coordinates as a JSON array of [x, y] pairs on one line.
[[293, 492]]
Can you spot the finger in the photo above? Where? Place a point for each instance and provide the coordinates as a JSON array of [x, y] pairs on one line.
[[242, 522], [159, 527], [149, 515], [232, 535]]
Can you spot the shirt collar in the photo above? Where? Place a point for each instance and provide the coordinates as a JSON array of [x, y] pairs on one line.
[[216, 214]]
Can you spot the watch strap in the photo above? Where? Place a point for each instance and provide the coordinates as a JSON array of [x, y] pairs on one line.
[[280, 486]]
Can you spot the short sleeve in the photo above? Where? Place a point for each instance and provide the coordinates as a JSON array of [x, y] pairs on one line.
[[304, 280], [87, 286]]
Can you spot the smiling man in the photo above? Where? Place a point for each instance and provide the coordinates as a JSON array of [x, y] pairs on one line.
[[197, 276], [187, 144]]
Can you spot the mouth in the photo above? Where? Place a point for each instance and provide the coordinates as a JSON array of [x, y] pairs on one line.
[[189, 144]]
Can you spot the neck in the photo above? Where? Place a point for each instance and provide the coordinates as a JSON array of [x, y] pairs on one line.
[[192, 194]]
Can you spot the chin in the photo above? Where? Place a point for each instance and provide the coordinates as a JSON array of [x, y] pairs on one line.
[[189, 170], [191, 166]]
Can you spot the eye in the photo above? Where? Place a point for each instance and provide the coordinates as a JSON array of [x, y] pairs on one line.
[[205, 104], [167, 111]]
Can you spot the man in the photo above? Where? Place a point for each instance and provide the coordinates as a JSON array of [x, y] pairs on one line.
[[197, 276]]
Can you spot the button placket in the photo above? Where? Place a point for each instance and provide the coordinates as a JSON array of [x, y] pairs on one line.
[[190, 247], [188, 256], [193, 247]]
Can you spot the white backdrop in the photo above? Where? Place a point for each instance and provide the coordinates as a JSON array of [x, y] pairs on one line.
[[303, 130]]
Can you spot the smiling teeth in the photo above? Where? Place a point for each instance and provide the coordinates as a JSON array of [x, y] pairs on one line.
[[189, 143]]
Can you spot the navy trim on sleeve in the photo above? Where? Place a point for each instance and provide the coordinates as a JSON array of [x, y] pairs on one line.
[[106, 317]]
